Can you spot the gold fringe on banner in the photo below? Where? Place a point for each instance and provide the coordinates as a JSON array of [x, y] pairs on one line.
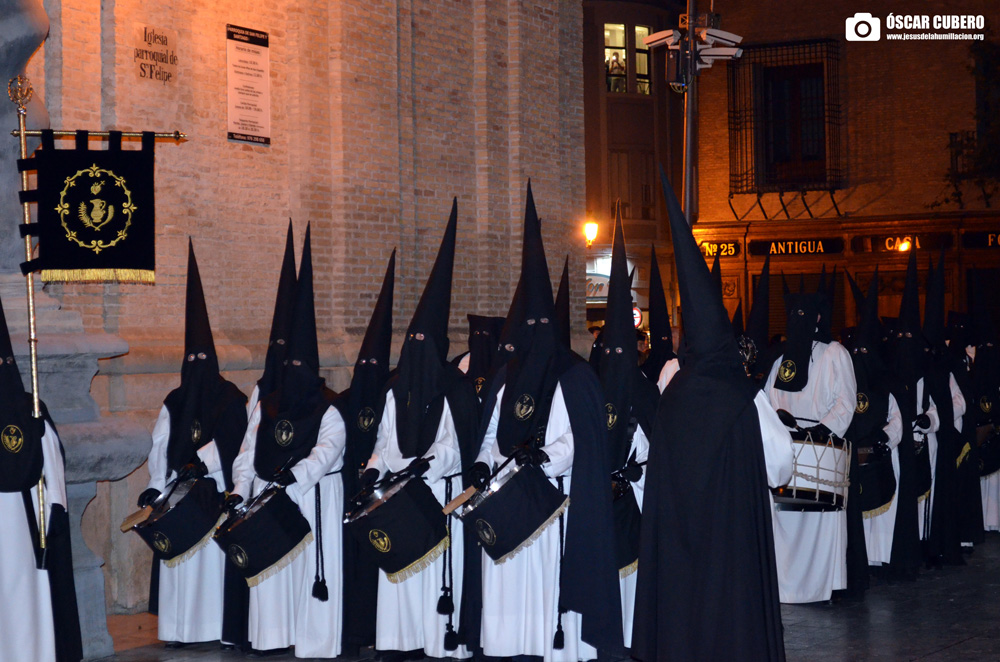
[[177, 560], [534, 536], [628, 570], [285, 560], [144, 276], [875, 512], [421, 563]]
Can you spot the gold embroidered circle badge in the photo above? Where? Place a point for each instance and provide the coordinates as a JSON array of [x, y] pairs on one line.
[[196, 431], [366, 419], [379, 540], [786, 371], [283, 432], [238, 556], [612, 415], [486, 532], [862, 403], [12, 438], [524, 407], [986, 404], [161, 543], [95, 208]]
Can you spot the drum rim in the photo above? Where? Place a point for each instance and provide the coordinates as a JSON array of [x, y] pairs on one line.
[[377, 498], [491, 488], [831, 500]]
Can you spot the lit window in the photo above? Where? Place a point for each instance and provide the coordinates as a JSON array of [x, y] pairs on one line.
[[615, 62], [641, 60]]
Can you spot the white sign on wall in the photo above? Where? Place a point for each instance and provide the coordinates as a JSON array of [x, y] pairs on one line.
[[248, 74], [154, 54]]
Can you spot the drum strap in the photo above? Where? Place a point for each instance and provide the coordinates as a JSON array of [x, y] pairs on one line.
[[558, 641], [320, 591]]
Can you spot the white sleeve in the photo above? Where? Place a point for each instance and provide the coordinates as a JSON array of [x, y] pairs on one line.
[[157, 464], [386, 427], [778, 451], [844, 387], [667, 372], [323, 458], [931, 408], [463, 364], [252, 402], [558, 438], [957, 401], [54, 470], [447, 459], [486, 450], [243, 471], [894, 427], [209, 454]]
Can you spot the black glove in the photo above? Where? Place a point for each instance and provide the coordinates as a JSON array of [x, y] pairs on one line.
[[534, 457], [923, 422], [632, 471], [368, 478], [880, 443], [418, 467], [233, 501], [148, 497], [819, 431], [479, 474], [284, 478], [196, 469]]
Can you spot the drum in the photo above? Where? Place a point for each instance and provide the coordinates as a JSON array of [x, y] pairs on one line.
[[183, 523], [819, 474], [512, 511], [876, 482], [628, 519], [402, 527], [265, 537], [988, 439]]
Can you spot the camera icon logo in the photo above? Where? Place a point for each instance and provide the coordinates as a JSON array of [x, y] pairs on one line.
[[863, 27]]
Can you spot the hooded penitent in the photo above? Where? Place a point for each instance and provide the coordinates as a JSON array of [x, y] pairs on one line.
[[986, 367], [661, 339], [205, 407], [281, 322], [707, 548], [290, 417], [906, 367], [539, 362], [754, 343], [484, 349], [630, 398], [361, 408], [804, 315]]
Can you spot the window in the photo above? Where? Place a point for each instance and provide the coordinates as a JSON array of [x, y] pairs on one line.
[[641, 60], [615, 62], [785, 126]]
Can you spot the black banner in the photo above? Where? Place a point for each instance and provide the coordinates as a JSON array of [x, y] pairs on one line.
[[96, 212]]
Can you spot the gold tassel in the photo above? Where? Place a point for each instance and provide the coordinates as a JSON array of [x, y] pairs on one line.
[[923, 496], [628, 570], [536, 535], [144, 276], [280, 565], [421, 563], [177, 560], [964, 454], [875, 512]]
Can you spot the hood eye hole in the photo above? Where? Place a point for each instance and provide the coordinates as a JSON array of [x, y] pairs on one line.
[[202, 355], [544, 320], [509, 347], [373, 361], [280, 341], [801, 312], [531, 322], [296, 362], [418, 336], [190, 357], [618, 350]]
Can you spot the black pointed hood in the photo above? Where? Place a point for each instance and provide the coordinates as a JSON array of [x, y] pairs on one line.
[[909, 358], [986, 367], [661, 340], [281, 322], [827, 290], [708, 333], [933, 329], [197, 330], [484, 349], [805, 313], [419, 388], [870, 374], [717, 273], [562, 318], [538, 301], [758, 320], [377, 343], [858, 295], [869, 330], [511, 324], [738, 328]]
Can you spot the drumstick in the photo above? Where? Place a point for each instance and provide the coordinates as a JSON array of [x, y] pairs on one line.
[[143, 513], [459, 500]]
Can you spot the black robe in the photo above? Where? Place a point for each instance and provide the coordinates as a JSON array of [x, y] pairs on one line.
[[708, 586], [969, 493], [944, 540]]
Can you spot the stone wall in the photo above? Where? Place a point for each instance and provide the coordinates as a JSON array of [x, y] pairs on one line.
[[381, 112]]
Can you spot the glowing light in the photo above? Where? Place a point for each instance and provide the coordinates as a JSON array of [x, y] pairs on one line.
[[903, 246], [590, 232]]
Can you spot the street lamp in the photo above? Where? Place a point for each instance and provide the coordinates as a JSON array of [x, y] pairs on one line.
[[590, 232]]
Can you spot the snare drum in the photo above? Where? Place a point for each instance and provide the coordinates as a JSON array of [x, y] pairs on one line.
[[819, 474], [401, 527], [266, 537], [512, 511], [183, 523], [876, 482]]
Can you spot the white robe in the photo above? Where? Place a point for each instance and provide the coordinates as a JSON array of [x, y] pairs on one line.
[[878, 529], [282, 610], [26, 631], [521, 596], [667, 372], [406, 617], [640, 446], [191, 594], [811, 547]]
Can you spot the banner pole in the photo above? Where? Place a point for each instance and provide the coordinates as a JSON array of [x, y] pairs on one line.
[[19, 90]]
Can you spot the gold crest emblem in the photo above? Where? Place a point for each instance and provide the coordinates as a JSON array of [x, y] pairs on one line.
[[612, 415], [379, 540], [524, 407], [103, 206], [195, 431], [480, 382], [985, 404], [862, 403], [161, 543], [283, 432], [238, 556], [786, 371], [366, 419], [12, 438], [486, 532]]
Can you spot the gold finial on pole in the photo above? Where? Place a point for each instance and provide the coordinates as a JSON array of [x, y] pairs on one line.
[[19, 91]]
